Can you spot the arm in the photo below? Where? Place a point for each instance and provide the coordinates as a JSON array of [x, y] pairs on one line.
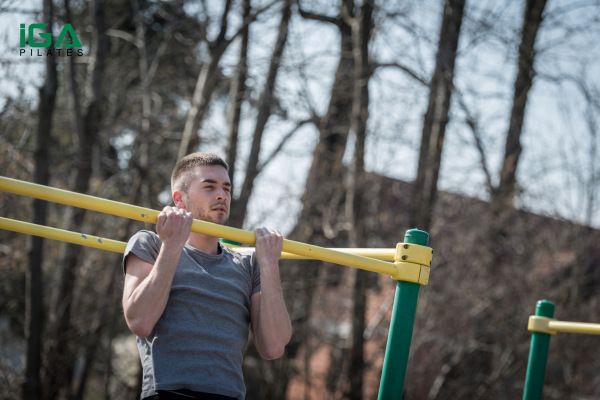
[[146, 289], [271, 324]]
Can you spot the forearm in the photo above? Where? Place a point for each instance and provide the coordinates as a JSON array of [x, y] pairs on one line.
[[274, 328], [147, 302]]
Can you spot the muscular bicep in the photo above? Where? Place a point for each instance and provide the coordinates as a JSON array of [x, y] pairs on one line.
[[136, 270]]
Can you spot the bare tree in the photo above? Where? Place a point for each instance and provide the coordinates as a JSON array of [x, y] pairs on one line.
[[320, 217], [60, 353], [35, 287], [362, 26], [436, 117], [318, 210], [504, 194], [205, 85], [265, 105], [238, 93], [143, 137], [207, 78]]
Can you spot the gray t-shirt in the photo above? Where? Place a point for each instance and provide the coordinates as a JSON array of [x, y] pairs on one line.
[[199, 340]]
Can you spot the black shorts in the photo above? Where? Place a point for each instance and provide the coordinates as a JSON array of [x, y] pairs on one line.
[[185, 394]]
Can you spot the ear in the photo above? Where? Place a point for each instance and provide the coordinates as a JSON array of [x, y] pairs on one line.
[[179, 199]]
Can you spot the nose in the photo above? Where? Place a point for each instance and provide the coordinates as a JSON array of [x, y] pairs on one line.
[[221, 193]]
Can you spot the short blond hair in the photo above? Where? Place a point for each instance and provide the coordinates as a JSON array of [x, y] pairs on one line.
[[182, 172]]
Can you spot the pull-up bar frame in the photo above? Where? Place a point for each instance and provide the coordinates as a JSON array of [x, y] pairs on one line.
[[111, 207], [410, 269], [542, 326], [117, 246]]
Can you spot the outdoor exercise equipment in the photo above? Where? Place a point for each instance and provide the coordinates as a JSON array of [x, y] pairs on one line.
[[410, 268], [542, 326]]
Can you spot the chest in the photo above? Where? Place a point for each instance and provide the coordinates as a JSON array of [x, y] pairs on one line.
[[217, 284]]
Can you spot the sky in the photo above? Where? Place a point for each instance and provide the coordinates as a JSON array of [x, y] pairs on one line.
[[557, 162]]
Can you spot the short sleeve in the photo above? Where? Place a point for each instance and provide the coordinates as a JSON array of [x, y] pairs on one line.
[[255, 274], [145, 245]]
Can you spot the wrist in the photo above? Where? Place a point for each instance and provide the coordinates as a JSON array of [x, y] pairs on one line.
[[172, 248], [268, 263]]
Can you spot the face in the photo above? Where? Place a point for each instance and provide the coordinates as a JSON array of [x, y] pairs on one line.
[[208, 196]]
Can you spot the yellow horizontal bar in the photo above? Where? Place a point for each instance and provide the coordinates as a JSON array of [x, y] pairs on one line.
[[552, 326], [119, 209], [574, 327], [119, 247], [378, 254], [62, 235]]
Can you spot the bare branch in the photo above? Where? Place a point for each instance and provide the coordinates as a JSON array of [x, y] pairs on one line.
[[224, 24], [161, 50], [413, 74], [318, 17], [283, 141], [119, 34], [253, 17], [472, 123]]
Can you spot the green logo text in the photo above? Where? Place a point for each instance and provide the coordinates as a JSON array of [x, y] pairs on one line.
[[29, 35]]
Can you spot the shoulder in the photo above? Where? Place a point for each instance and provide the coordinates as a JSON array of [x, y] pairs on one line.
[[145, 235], [144, 244], [145, 239]]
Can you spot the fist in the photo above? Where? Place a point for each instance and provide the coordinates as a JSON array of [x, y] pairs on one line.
[[268, 246], [173, 226]]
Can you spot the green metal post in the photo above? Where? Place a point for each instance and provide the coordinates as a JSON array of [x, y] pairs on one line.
[[538, 355], [401, 327]]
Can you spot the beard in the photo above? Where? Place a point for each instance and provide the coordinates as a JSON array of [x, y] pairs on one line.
[[216, 217]]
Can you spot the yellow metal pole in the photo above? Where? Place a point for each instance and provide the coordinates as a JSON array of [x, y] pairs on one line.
[[119, 209], [552, 326], [62, 235], [574, 327], [378, 254], [119, 247]]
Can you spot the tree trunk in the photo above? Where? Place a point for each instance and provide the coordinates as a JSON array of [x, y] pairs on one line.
[[35, 288], [361, 33], [504, 195], [93, 342], [205, 87], [502, 219], [238, 94], [324, 188], [263, 113], [144, 136], [298, 280], [436, 117], [326, 169], [140, 191], [61, 352]]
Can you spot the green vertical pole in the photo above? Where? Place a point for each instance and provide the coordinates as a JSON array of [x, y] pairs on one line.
[[538, 355], [401, 327]]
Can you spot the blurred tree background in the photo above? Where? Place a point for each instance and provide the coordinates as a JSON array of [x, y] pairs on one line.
[[345, 123]]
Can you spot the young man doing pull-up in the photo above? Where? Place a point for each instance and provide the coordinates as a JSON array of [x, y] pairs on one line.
[[191, 302]]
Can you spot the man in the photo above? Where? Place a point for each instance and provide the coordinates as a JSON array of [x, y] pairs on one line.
[[191, 301]]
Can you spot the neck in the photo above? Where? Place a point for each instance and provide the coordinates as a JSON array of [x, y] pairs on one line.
[[204, 243]]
